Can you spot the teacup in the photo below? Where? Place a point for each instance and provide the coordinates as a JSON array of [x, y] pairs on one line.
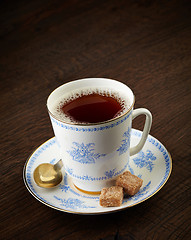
[[95, 154]]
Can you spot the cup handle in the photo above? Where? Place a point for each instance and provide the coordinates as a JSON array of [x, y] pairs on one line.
[[147, 127]]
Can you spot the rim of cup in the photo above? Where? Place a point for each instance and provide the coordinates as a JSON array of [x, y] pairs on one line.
[[90, 80]]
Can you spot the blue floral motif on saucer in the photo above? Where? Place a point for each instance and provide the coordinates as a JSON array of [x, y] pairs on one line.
[[153, 164]]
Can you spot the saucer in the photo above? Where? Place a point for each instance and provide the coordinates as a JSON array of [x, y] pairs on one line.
[[153, 164]]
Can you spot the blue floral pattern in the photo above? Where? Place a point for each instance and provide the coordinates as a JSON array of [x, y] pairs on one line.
[[67, 197], [72, 203], [91, 129], [84, 153], [69, 170], [125, 142], [53, 161], [145, 160], [65, 187], [107, 174], [110, 173]]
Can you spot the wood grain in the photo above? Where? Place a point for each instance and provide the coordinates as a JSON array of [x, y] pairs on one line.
[[145, 44]]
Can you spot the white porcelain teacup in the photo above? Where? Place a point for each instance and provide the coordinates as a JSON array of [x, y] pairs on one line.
[[94, 154]]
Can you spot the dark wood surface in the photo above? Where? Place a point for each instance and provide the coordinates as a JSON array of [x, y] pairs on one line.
[[146, 45]]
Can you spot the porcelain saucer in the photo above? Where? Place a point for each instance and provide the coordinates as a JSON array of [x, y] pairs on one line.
[[153, 164]]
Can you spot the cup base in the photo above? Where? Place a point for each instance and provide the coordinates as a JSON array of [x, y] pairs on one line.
[[90, 188], [88, 192]]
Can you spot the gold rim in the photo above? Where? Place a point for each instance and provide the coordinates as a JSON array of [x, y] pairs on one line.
[[90, 213]]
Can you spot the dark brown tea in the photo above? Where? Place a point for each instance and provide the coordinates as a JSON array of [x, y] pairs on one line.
[[92, 108]]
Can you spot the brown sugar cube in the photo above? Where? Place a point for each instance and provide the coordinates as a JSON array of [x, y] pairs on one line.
[[130, 183], [111, 197]]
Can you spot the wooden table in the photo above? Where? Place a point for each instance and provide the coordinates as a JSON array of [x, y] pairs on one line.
[[144, 44]]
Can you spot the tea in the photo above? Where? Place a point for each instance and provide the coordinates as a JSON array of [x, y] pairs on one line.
[[90, 107]]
